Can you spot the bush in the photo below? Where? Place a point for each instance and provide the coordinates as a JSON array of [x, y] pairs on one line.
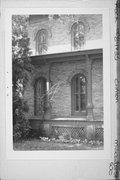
[[21, 67], [21, 130], [17, 132], [21, 126]]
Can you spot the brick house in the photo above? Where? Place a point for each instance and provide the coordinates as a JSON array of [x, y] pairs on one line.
[[68, 58]]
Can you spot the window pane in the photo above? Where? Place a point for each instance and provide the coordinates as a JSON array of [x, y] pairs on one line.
[[82, 93], [79, 94], [81, 28], [82, 85], [77, 102], [40, 99], [76, 83], [78, 35], [41, 41], [42, 37], [83, 102]]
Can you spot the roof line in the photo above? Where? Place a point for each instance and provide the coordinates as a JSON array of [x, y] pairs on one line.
[[65, 54]]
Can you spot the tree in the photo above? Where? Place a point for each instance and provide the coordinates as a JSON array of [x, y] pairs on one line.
[[21, 67]]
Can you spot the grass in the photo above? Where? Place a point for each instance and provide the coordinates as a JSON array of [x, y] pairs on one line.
[[38, 144]]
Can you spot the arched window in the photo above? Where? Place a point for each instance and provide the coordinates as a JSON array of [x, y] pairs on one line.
[[79, 95], [41, 42], [39, 96], [77, 35]]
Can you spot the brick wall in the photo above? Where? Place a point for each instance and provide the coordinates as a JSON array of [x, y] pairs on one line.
[[62, 72], [62, 100], [97, 89], [60, 31]]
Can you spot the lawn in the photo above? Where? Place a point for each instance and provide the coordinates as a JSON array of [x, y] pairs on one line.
[[38, 144]]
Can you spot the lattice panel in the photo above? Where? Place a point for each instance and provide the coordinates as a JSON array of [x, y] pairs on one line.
[[70, 132], [78, 133], [99, 133], [75, 132]]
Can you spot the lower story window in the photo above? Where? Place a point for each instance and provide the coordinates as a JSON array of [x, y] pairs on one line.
[[39, 96], [79, 95]]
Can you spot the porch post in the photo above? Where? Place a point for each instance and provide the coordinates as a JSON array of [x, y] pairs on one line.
[[48, 76], [89, 89]]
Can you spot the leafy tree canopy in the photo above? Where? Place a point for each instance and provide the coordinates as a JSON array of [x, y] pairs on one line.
[[20, 51]]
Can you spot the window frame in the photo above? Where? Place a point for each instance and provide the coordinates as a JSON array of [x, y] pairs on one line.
[[43, 82], [44, 44], [73, 101], [82, 33]]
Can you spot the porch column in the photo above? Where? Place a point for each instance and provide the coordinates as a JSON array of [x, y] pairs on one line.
[[47, 86], [48, 77], [89, 89]]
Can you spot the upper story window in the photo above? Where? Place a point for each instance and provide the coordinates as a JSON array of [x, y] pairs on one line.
[[41, 42], [78, 35]]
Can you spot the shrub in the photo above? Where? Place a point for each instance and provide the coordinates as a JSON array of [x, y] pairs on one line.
[[21, 67], [21, 126], [21, 130]]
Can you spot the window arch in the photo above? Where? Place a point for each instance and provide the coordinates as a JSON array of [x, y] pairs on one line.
[[39, 96], [77, 35], [41, 41], [79, 95]]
